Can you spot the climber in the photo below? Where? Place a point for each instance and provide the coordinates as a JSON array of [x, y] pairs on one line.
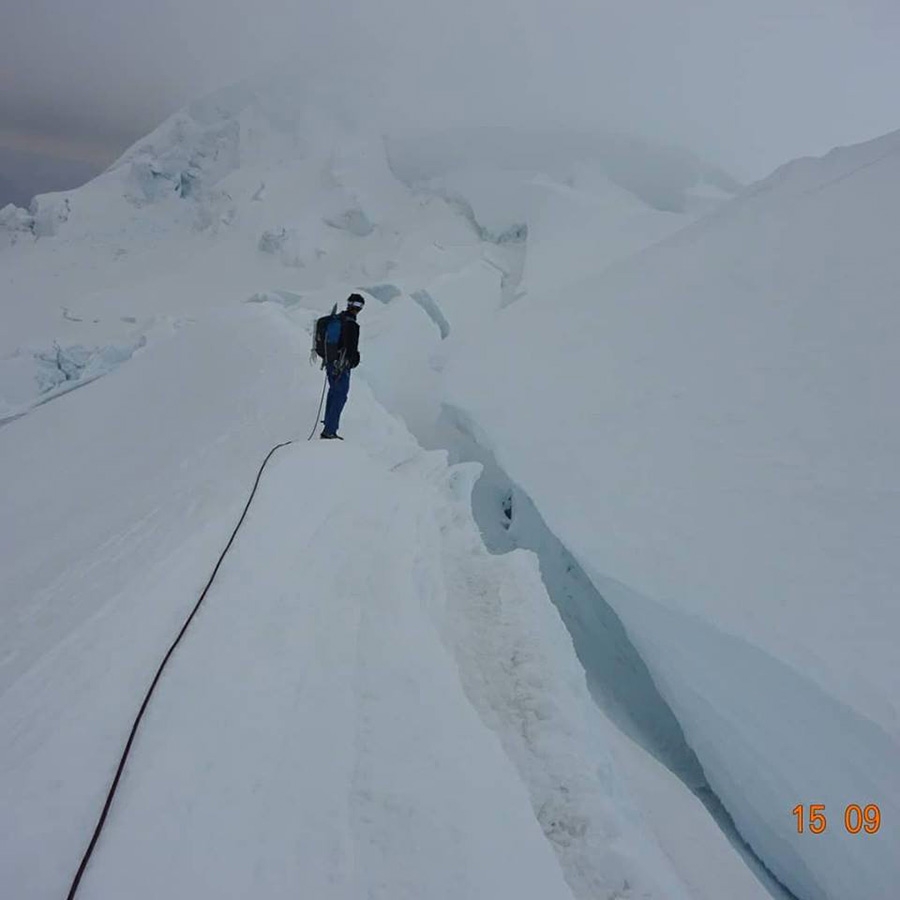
[[337, 344]]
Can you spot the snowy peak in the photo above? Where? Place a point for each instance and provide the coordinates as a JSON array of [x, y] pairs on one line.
[[815, 173], [240, 125], [269, 122]]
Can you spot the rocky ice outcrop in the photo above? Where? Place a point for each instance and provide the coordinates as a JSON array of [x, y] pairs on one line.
[[32, 376], [42, 219], [15, 224]]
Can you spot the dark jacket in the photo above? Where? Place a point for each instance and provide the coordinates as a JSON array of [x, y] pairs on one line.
[[350, 338], [348, 346]]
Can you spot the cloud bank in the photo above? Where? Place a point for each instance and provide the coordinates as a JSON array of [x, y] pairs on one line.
[[747, 85]]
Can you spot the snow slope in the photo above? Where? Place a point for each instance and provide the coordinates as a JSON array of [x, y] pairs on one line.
[[370, 703], [710, 428], [315, 736]]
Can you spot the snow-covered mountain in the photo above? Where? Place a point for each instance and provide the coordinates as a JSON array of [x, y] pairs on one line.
[[680, 404]]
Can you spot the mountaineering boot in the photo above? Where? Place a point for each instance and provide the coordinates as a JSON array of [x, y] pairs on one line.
[[328, 436]]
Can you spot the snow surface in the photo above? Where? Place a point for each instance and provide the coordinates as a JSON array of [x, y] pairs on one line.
[[371, 703], [329, 721], [727, 476]]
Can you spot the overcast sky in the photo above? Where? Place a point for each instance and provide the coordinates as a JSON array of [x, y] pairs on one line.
[[747, 83]]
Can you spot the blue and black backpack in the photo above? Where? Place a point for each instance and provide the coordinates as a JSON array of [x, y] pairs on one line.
[[329, 336]]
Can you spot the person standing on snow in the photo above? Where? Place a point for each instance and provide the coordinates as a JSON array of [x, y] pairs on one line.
[[337, 343]]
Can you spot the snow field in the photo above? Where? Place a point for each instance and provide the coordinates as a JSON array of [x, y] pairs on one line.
[[721, 482], [727, 478], [368, 704], [117, 497], [313, 730]]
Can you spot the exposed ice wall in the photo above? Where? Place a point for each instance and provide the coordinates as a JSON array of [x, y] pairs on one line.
[[33, 376]]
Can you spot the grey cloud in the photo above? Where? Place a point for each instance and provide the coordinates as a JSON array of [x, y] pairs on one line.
[[24, 175], [748, 85]]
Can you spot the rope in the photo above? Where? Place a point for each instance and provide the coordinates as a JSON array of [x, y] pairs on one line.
[[319, 413], [339, 364], [115, 783], [324, 382]]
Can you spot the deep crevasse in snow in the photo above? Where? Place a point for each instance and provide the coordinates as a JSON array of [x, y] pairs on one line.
[[711, 435]]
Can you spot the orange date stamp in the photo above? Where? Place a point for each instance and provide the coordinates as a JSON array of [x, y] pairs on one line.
[[856, 818]]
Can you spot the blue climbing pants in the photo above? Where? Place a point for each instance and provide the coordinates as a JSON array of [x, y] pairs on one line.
[[338, 389]]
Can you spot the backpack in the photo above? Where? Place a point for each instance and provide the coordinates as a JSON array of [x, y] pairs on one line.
[[329, 336]]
